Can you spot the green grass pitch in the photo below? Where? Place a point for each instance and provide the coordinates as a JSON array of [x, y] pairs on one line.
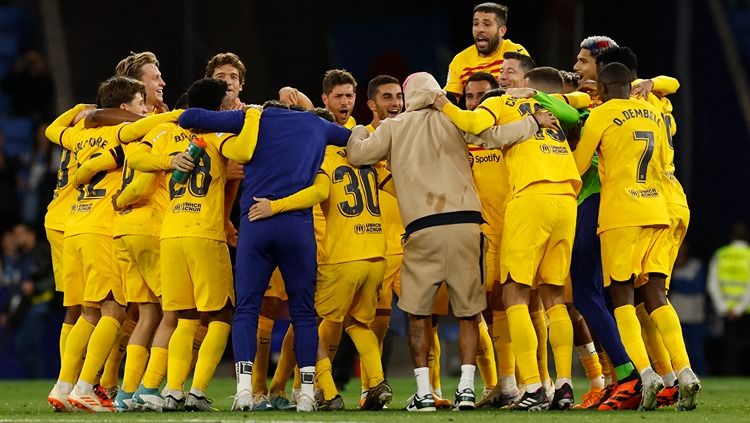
[[721, 400]]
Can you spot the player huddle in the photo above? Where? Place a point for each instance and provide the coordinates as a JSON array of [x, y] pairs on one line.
[[546, 211]]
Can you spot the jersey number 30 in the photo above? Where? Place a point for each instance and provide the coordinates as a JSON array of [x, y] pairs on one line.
[[369, 180]]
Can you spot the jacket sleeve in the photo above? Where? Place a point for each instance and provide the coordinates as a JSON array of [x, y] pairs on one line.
[[240, 148], [225, 121], [365, 148], [500, 136], [471, 121]]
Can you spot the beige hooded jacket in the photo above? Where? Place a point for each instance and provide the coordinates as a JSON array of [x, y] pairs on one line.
[[427, 153]]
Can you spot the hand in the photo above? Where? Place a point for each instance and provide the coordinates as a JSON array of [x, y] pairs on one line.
[[588, 87], [82, 115], [182, 162], [27, 288], [440, 102], [260, 210], [521, 92], [289, 95], [545, 119], [732, 315], [234, 170], [115, 196], [642, 89], [231, 232]]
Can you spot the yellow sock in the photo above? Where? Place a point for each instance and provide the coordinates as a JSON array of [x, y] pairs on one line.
[[297, 384], [135, 364], [506, 361], [524, 343], [539, 320], [324, 379], [156, 369], [285, 367], [260, 364], [379, 327], [630, 333], [486, 357], [180, 354], [655, 347], [433, 361], [329, 335], [209, 356], [200, 335], [100, 345], [75, 349], [608, 370], [561, 339], [111, 370], [666, 320], [64, 331], [369, 353]]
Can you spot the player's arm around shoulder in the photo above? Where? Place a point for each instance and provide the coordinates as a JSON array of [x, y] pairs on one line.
[[365, 148], [591, 135]]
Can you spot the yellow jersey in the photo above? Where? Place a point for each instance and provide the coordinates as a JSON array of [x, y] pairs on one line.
[[92, 211], [65, 193], [469, 61], [354, 229], [626, 133], [144, 216], [491, 180], [543, 164], [394, 228], [350, 123], [196, 208]]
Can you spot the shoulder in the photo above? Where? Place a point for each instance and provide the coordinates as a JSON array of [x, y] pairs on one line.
[[509, 45], [465, 55]]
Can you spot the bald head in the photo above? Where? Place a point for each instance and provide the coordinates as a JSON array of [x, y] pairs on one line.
[[614, 81]]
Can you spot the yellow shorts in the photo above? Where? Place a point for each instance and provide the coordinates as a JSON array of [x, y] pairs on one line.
[[55, 239], [390, 280], [630, 251], [196, 273], [89, 270], [138, 258], [276, 287], [491, 264], [349, 288], [679, 220], [537, 239]]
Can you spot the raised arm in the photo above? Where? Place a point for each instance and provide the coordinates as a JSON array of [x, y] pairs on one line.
[[365, 148], [56, 129], [240, 148], [566, 114], [225, 121], [577, 99], [138, 129], [110, 117], [506, 135], [472, 121], [337, 135], [293, 96]]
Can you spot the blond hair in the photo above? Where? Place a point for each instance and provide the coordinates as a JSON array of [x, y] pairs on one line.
[[132, 66]]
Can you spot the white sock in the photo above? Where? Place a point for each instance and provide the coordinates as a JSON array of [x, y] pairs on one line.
[[508, 384], [64, 387], [467, 377], [669, 379], [307, 377], [562, 381], [422, 374], [533, 387], [437, 391], [244, 372], [197, 392], [586, 351], [646, 371], [84, 387]]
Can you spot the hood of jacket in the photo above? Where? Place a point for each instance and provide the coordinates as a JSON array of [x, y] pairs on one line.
[[421, 89]]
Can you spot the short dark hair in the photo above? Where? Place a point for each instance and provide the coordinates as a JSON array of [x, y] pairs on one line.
[[119, 89], [483, 76], [596, 44], [182, 101], [500, 10], [222, 59], [275, 103], [623, 55], [570, 78], [495, 92], [207, 93], [527, 63], [323, 113], [615, 75], [335, 77], [375, 83], [546, 78]]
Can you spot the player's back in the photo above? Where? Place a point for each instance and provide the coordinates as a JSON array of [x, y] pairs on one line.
[[290, 149], [540, 162], [632, 193], [196, 208], [354, 228], [64, 195], [92, 210]]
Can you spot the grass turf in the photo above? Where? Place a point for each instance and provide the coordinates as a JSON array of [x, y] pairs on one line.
[[722, 399]]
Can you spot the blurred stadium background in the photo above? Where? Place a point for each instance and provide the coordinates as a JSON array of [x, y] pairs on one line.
[[54, 53]]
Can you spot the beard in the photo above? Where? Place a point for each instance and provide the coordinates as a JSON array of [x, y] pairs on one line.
[[492, 45]]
